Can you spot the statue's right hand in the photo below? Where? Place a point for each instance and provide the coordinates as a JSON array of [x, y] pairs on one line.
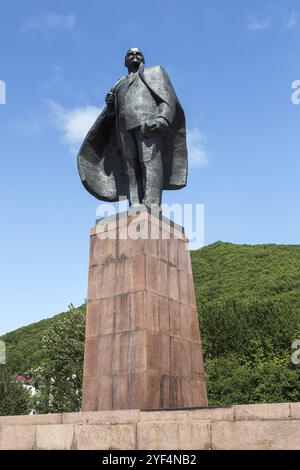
[[110, 103], [110, 99]]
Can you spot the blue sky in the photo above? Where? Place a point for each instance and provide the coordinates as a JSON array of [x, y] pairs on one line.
[[232, 63]]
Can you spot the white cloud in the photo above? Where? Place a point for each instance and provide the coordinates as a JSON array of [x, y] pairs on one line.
[[50, 21], [197, 153], [256, 23], [292, 20], [56, 21], [74, 123], [279, 18]]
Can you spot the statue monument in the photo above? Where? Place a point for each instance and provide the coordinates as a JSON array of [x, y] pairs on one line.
[[142, 347], [137, 146]]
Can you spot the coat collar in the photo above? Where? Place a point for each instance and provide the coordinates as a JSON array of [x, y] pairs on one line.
[[131, 77]]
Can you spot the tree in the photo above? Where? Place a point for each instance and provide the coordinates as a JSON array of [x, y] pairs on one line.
[[232, 379], [14, 398], [58, 379], [247, 349], [239, 326]]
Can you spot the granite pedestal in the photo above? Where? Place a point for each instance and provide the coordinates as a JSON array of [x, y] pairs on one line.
[[274, 426], [142, 348]]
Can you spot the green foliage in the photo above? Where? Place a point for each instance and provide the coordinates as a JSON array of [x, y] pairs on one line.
[[58, 378], [24, 345], [248, 300], [225, 271], [14, 398], [234, 379], [241, 327]]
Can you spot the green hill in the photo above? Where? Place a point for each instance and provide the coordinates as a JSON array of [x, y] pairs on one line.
[[226, 271], [24, 345], [248, 299]]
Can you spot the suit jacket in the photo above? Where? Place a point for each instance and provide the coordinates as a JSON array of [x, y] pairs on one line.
[[135, 103], [99, 159]]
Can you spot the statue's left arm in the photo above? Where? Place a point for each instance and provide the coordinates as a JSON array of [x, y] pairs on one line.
[[165, 114], [158, 81], [167, 94]]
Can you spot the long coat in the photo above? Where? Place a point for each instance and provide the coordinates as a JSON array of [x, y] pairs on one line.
[[100, 163]]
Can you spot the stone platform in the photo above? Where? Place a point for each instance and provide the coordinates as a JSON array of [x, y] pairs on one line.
[[259, 427]]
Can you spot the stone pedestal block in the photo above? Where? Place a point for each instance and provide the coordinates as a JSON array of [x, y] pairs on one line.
[[274, 426], [142, 348]]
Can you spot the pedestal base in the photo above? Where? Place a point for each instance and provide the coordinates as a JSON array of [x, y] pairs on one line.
[[243, 427], [142, 347]]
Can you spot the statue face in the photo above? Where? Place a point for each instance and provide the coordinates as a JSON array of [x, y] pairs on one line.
[[134, 57]]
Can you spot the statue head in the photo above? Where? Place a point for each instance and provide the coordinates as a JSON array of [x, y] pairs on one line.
[[133, 58]]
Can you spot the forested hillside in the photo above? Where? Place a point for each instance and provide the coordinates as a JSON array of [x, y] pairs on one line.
[[24, 345], [248, 301], [226, 271]]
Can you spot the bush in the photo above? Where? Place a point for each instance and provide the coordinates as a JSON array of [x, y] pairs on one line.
[[58, 379], [14, 398], [234, 380]]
